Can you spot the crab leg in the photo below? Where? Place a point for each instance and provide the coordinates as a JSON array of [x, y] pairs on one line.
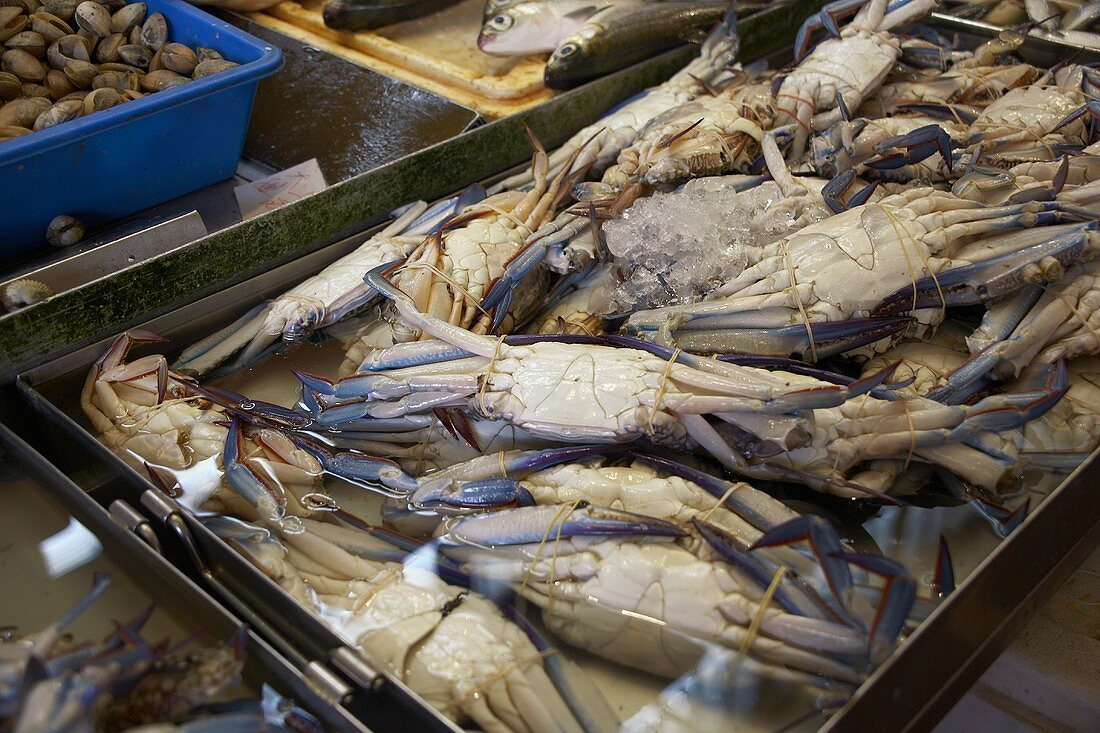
[[722, 334], [1000, 275]]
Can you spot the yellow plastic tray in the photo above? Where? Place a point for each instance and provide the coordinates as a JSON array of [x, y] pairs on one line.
[[438, 53]]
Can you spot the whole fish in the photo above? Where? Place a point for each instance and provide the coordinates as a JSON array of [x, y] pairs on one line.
[[526, 27], [627, 34], [362, 15]]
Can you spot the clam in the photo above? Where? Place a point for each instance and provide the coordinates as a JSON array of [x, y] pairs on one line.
[[179, 58], [137, 56], [118, 80], [64, 231], [89, 39], [207, 54], [66, 49], [30, 89], [77, 96], [107, 50], [10, 86], [94, 18], [81, 73], [101, 99], [64, 9], [157, 62], [154, 31], [58, 84], [12, 21], [10, 132], [29, 41], [23, 112], [21, 293], [213, 66], [127, 17], [23, 65], [130, 95], [26, 6], [158, 81], [61, 112], [49, 26]]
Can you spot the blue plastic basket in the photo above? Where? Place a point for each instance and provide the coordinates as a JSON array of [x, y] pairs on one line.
[[119, 161]]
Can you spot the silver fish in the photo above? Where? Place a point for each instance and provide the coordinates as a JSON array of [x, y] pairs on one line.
[[627, 34], [527, 27]]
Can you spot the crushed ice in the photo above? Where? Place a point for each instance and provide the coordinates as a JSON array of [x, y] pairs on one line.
[[679, 246]]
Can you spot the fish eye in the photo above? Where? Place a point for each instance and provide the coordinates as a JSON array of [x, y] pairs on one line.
[[501, 22], [567, 49]]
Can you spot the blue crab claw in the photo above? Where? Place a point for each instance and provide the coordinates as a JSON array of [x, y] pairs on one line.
[[825, 544], [1045, 193], [536, 524], [829, 18], [1091, 108], [833, 190], [800, 367], [997, 276], [838, 99], [253, 410], [490, 493], [319, 386], [898, 596], [358, 468], [256, 488], [943, 579], [791, 597], [1012, 410], [919, 144], [740, 501]]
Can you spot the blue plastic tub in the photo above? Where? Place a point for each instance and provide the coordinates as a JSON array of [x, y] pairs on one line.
[[119, 161]]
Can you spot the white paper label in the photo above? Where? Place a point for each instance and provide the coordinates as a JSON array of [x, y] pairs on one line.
[[280, 189]]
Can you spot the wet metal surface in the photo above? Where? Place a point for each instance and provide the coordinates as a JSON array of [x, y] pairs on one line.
[[350, 118]]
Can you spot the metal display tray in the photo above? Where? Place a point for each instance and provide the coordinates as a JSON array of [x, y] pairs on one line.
[[909, 692], [129, 542]]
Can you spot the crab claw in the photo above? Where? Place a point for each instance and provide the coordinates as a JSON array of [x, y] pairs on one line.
[[789, 595], [919, 145], [825, 544], [1091, 108], [260, 490], [256, 411], [358, 468], [898, 596], [997, 276], [833, 190], [829, 18], [535, 524], [1012, 410], [490, 493]]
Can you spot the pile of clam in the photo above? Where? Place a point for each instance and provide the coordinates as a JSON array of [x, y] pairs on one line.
[[64, 59]]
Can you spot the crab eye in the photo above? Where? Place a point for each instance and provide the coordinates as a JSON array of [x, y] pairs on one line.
[[501, 22], [567, 49]]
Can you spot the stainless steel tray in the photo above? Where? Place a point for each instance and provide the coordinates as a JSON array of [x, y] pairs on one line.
[[129, 542], [910, 692]]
